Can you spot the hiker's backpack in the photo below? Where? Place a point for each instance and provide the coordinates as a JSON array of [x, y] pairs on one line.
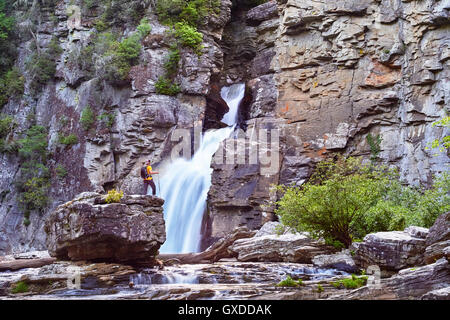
[[144, 172]]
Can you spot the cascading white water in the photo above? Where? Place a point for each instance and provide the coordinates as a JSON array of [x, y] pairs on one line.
[[186, 184]]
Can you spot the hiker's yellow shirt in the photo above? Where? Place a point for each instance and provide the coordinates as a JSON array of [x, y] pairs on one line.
[[149, 170]]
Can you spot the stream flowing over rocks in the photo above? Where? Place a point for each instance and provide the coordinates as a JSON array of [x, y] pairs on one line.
[[229, 278]]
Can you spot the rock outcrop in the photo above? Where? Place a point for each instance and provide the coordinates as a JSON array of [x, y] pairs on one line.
[[88, 228], [438, 239], [273, 247], [390, 251], [341, 261]]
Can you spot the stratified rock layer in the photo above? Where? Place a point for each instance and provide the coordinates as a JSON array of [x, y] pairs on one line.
[[272, 247], [393, 250], [88, 228]]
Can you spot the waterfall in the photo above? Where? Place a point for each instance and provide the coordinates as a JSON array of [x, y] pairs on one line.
[[186, 184]]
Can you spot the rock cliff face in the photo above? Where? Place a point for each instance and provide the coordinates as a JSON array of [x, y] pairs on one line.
[[326, 74], [339, 71]]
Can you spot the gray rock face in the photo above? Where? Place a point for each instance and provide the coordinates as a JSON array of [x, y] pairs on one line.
[[340, 261], [438, 239], [392, 251], [271, 247], [88, 228]]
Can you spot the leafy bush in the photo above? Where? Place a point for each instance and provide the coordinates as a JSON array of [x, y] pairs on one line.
[[71, 139], [345, 200], [41, 68], [6, 126], [165, 86], [20, 287], [107, 118], [34, 179], [61, 172], [87, 118], [173, 59], [114, 196], [189, 36], [11, 84], [144, 28], [319, 288], [289, 282], [350, 283], [444, 143]]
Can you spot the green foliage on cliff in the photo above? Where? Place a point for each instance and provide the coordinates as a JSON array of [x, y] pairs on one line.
[[441, 144], [6, 126], [20, 287], [110, 59], [41, 65], [189, 36], [68, 140], [165, 86], [11, 84], [193, 12], [114, 196], [345, 200], [34, 178], [87, 118], [11, 81], [107, 118]]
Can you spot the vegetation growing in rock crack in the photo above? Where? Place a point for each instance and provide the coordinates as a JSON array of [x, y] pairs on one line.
[[345, 199], [289, 282], [351, 283], [114, 196], [20, 287]]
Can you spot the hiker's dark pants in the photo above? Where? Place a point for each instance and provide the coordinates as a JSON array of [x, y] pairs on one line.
[[151, 184]]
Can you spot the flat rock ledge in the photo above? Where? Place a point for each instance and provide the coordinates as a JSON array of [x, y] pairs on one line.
[[89, 228]]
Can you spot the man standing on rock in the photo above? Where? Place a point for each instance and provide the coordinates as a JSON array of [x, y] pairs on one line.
[[146, 174]]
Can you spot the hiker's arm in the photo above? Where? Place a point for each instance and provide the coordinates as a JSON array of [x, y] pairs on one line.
[[154, 172]]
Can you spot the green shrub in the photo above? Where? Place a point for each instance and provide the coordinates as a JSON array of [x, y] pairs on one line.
[[441, 144], [374, 144], [71, 139], [350, 283], [41, 68], [34, 178], [189, 36], [289, 282], [87, 118], [107, 118], [114, 196], [165, 86], [144, 28], [173, 59], [6, 126], [61, 172], [20, 287], [319, 288], [345, 200], [11, 84]]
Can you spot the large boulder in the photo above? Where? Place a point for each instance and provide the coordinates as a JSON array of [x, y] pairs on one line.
[[268, 245], [341, 261], [88, 228], [392, 250], [438, 238]]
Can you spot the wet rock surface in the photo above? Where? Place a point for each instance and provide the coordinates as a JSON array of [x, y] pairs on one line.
[[89, 228]]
